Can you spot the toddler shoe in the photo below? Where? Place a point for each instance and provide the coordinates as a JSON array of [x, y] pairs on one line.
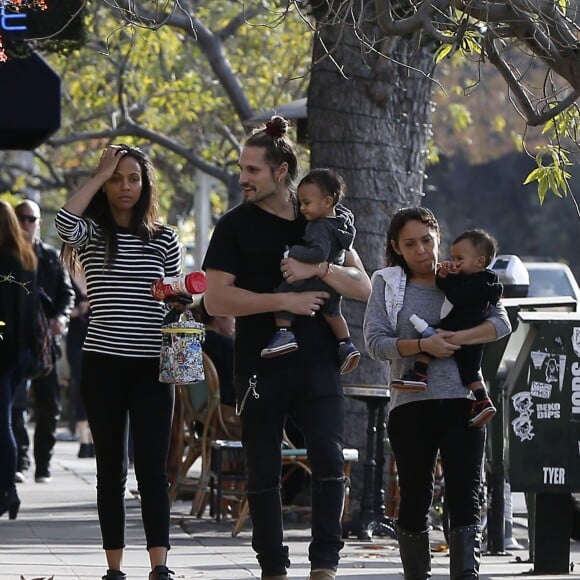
[[481, 412], [348, 357], [281, 343], [412, 381]]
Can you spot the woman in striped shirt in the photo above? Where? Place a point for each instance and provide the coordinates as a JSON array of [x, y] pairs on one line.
[[110, 227]]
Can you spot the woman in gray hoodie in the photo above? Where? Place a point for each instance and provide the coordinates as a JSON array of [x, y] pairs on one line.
[[436, 421]]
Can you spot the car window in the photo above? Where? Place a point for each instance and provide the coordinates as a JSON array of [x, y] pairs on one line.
[[549, 283]]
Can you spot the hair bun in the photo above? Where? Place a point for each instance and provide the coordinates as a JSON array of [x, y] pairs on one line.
[[276, 127]]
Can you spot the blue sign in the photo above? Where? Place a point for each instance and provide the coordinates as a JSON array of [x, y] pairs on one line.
[[12, 21]]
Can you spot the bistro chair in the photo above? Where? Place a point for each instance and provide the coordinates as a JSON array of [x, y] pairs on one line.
[[198, 419]]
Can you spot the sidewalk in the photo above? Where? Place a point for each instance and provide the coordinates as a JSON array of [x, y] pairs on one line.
[[57, 534]]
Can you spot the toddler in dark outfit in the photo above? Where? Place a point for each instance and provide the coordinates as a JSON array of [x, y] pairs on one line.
[[472, 289], [328, 235]]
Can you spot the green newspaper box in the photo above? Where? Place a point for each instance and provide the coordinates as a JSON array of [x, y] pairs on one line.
[[543, 415], [542, 428]]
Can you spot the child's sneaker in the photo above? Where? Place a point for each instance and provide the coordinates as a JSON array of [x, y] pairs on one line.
[[481, 412], [281, 343], [348, 357], [412, 380]]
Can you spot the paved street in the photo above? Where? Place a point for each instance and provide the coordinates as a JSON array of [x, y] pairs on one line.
[[56, 534]]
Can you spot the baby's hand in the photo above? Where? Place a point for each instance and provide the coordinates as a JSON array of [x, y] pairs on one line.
[[446, 268]]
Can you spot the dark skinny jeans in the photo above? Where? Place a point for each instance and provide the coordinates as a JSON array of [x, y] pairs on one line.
[[417, 431], [8, 381], [313, 397], [116, 390], [46, 394]]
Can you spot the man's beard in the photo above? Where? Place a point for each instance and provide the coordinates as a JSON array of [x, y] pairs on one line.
[[259, 198]]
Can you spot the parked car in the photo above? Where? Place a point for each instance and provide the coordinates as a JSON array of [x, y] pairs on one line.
[[552, 279], [535, 278]]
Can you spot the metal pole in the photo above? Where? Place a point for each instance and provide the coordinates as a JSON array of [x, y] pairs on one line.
[[201, 206], [495, 516]]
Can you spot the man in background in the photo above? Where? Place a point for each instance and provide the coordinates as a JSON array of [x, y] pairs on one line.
[[58, 298]]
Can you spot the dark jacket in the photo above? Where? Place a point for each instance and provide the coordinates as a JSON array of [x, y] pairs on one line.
[[18, 303], [472, 296], [326, 239], [53, 282]]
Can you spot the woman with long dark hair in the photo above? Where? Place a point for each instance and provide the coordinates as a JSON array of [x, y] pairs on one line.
[[423, 424], [18, 305], [111, 227]]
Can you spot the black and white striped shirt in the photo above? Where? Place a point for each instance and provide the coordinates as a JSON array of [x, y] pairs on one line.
[[125, 319]]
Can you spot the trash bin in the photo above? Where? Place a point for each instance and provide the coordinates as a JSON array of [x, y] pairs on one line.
[[542, 427]]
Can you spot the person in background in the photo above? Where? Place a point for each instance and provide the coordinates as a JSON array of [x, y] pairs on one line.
[[57, 298], [244, 264], [77, 332], [219, 346], [111, 228], [18, 305], [423, 424]]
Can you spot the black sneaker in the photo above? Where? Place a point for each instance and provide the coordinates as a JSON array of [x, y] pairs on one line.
[[114, 575], [281, 343], [412, 381], [348, 357], [161, 573], [43, 476], [481, 412]]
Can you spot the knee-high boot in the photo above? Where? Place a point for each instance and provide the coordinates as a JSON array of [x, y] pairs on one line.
[[415, 554], [465, 552]]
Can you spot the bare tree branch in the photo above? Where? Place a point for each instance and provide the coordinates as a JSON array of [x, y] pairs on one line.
[[537, 28], [423, 11], [210, 43]]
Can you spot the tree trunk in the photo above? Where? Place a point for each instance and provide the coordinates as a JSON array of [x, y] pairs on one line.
[[368, 118]]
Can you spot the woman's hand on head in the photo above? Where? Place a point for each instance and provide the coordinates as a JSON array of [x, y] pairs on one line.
[[108, 161]]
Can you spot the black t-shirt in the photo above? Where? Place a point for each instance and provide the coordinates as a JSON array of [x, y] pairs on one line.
[[249, 243]]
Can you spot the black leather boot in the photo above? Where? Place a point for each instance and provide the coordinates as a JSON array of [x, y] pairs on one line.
[[465, 552], [415, 554], [9, 502]]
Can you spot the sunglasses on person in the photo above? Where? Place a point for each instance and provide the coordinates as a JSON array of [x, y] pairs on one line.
[[32, 219]]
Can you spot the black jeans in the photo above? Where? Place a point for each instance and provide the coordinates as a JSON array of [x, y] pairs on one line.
[[20, 425], [313, 397], [417, 431], [74, 344], [46, 395], [116, 389]]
